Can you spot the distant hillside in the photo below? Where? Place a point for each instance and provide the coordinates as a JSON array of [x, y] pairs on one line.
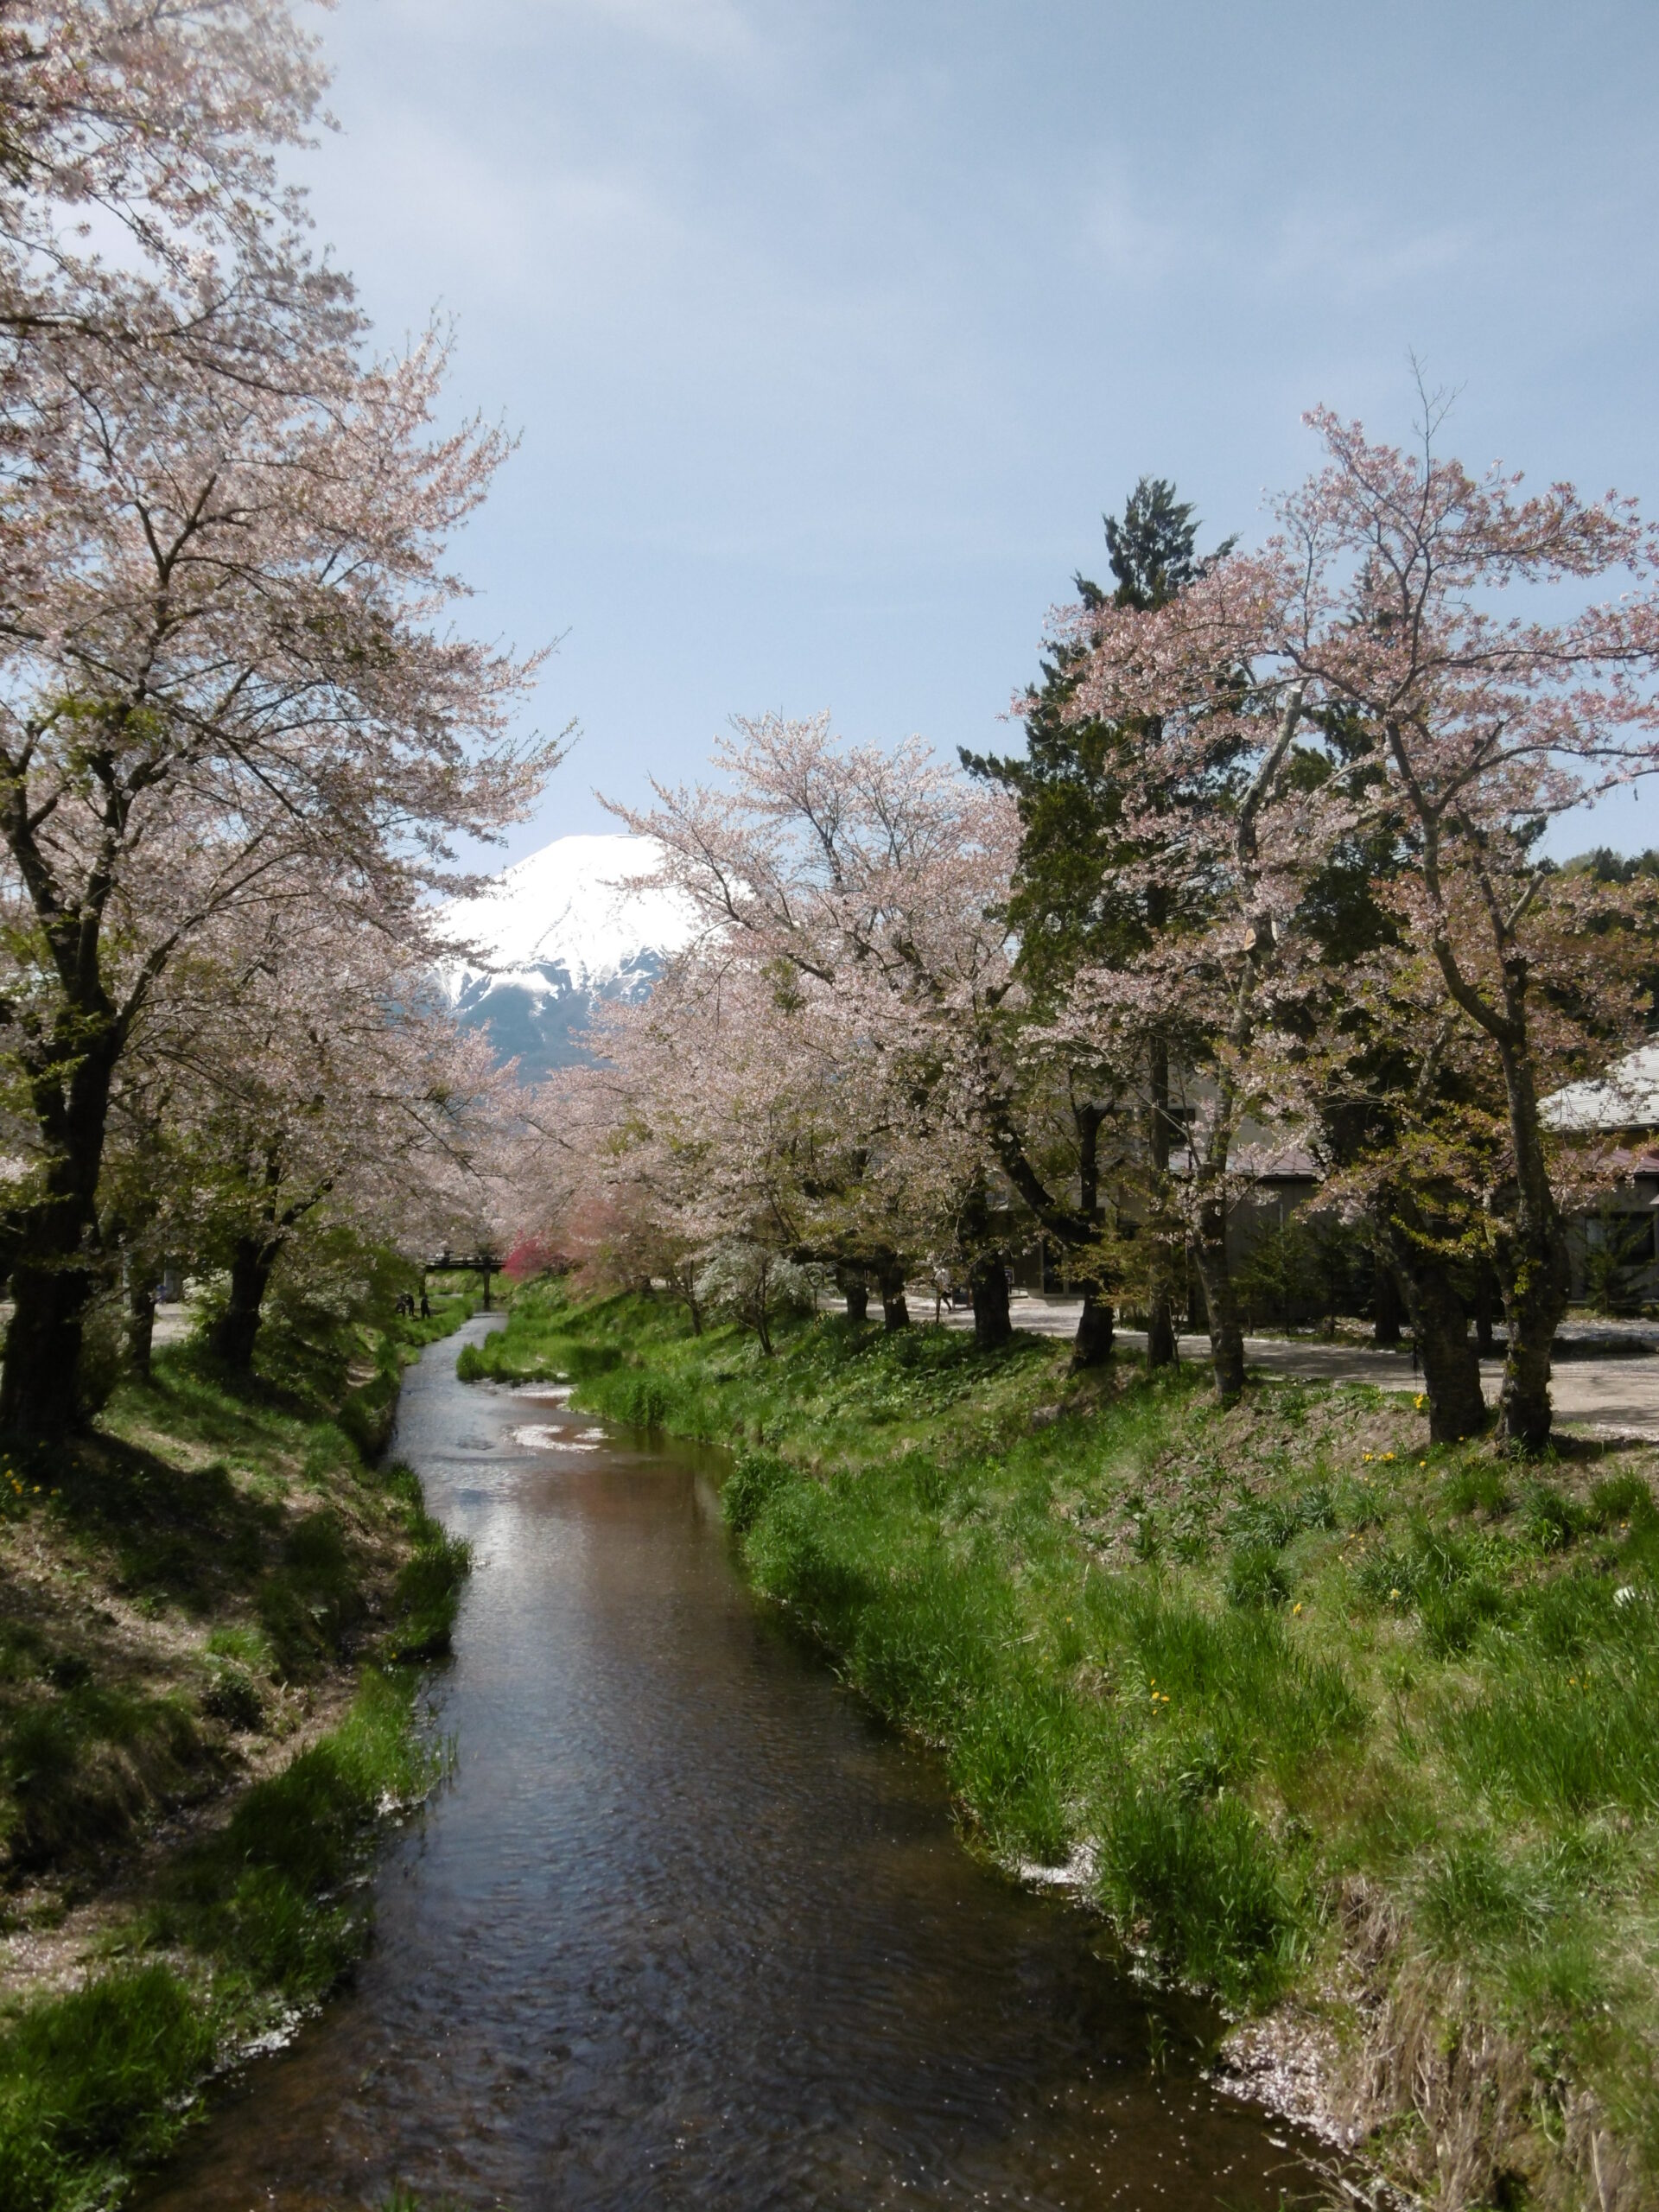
[[557, 933]]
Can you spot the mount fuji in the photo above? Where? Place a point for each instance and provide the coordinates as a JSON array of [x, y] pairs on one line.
[[551, 936]]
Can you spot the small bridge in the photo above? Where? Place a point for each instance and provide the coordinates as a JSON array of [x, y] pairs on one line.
[[484, 1264]]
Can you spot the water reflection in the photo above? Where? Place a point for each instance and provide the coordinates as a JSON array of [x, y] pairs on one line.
[[689, 1929]]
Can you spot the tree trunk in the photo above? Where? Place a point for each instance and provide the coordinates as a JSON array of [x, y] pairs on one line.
[[1221, 1306], [1439, 1328], [1076, 1230], [1161, 1350], [988, 1282], [1457, 1406], [1093, 1344], [1538, 1280], [1535, 1270], [52, 1279], [1534, 1298], [890, 1282], [855, 1287], [683, 1281], [233, 1335], [1385, 1306], [141, 1319], [1524, 1408], [39, 1395]]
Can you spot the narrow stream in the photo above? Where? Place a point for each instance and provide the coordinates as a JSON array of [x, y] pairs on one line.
[[688, 1928]]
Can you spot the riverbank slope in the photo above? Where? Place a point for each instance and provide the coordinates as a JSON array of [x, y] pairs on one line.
[[212, 1607], [1353, 1731]]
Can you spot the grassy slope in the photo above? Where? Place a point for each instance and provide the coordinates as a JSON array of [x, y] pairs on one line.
[[216, 1585], [1338, 1723]]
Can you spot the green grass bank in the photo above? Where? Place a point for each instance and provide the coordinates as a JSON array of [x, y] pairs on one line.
[[212, 1610], [1362, 1735]]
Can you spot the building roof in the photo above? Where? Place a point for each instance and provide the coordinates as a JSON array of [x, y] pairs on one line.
[[1626, 1097], [1286, 1162]]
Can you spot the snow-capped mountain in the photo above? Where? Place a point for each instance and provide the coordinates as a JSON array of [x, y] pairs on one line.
[[557, 931]]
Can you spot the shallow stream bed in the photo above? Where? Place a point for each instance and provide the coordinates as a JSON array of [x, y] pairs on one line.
[[688, 1928]]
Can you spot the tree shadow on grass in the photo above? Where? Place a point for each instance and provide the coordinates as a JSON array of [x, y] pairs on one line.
[[187, 1536]]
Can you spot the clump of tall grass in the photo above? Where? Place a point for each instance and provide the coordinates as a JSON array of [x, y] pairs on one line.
[[1256, 1575], [426, 1596], [754, 1477], [91, 2085], [1201, 1881]]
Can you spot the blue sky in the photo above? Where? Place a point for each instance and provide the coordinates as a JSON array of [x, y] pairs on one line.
[[830, 326]]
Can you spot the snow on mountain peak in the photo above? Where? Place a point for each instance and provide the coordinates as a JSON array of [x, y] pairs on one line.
[[568, 907], [554, 934]]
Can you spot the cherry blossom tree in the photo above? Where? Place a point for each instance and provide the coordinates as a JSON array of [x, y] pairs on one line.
[[882, 879], [1373, 611], [142, 217], [303, 1076], [230, 656], [161, 114], [225, 641], [736, 1106], [1193, 992]]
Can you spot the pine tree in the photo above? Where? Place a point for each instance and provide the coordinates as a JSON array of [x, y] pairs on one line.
[[1069, 788]]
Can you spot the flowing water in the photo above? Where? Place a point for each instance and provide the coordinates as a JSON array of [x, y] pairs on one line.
[[688, 1928]]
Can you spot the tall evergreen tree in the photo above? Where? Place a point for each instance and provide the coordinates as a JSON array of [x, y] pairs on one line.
[[1069, 788]]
